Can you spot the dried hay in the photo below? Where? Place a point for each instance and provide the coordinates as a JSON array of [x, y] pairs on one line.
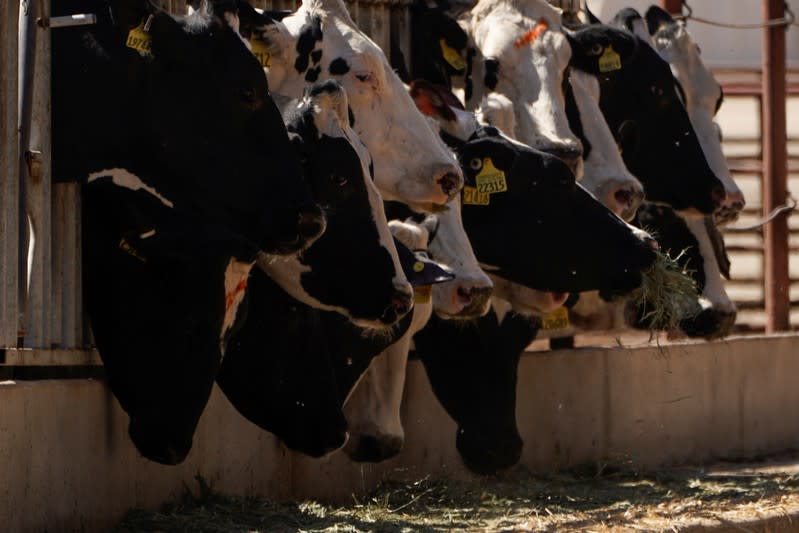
[[667, 295], [519, 501]]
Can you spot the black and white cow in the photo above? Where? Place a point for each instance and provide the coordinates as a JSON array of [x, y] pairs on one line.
[[522, 54], [320, 40], [703, 96], [356, 250], [187, 175], [641, 102]]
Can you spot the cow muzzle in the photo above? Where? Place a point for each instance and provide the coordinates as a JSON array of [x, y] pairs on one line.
[[729, 210]]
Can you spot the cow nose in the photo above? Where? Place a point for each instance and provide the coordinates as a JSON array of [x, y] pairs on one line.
[[312, 223], [717, 194], [626, 199], [401, 302], [375, 448], [474, 300], [450, 181], [710, 324]]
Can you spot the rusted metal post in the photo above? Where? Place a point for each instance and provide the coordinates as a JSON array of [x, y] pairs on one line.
[[671, 6], [775, 171]]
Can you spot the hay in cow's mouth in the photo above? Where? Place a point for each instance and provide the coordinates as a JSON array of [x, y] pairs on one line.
[[667, 295]]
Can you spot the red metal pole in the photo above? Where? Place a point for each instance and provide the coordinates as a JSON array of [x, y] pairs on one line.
[[775, 171], [672, 6]]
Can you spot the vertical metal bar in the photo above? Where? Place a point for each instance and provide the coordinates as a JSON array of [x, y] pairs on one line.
[[9, 175], [671, 6], [39, 311], [775, 171]]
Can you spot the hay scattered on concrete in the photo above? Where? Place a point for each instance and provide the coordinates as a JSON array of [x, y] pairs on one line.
[[667, 293], [593, 499]]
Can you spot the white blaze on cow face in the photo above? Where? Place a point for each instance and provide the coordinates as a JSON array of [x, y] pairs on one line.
[[331, 119], [604, 172], [123, 178], [236, 275], [714, 295], [468, 295], [703, 96], [523, 55], [497, 110], [411, 163]]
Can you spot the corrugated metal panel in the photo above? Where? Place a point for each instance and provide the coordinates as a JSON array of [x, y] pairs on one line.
[[9, 181]]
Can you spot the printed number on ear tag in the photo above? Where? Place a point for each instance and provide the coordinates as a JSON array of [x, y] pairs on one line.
[[557, 319], [609, 60], [422, 294], [140, 40], [261, 53], [490, 179], [451, 55], [471, 196]]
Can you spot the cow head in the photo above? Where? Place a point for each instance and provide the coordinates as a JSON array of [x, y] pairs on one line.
[[703, 98], [212, 120], [373, 407], [472, 369], [604, 173], [356, 250], [704, 256], [523, 55], [320, 39], [438, 44], [642, 104], [535, 194]]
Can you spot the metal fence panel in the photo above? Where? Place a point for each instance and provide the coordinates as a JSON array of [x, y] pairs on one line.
[[40, 311], [9, 180]]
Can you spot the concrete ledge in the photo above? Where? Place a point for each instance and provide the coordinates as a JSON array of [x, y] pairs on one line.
[[67, 464]]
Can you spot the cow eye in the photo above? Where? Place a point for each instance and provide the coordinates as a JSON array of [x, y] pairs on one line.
[[339, 180], [657, 91], [476, 163], [595, 49]]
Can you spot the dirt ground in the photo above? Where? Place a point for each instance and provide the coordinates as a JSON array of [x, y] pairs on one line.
[[732, 497]]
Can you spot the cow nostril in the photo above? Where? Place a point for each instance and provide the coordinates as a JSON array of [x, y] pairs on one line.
[[624, 196], [400, 305], [450, 183], [311, 223], [465, 295]]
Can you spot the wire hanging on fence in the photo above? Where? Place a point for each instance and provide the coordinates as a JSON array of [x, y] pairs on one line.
[[788, 20], [787, 207]]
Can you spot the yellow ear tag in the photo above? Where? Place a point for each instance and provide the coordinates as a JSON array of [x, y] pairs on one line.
[[260, 51], [422, 294], [139, 40], [557, 319], [471, 196], [490, 179], [609, 60], [418, 266], [451, 55]]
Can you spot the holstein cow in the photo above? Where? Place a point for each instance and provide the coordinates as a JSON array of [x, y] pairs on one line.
[[264, 371], [703, 97], [321, 40], [640, 101], [187, 172], [522, 54], [373, 409], [357, 249], [480, 392]]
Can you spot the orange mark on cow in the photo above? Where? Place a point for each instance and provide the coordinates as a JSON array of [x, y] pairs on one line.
[[230, 297], [531, 35]]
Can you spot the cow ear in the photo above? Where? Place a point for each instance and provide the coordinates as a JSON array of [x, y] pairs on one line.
[[250, 19], [592, 19], [657, 18], [629, 137], [429, 101], [601, 50]]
